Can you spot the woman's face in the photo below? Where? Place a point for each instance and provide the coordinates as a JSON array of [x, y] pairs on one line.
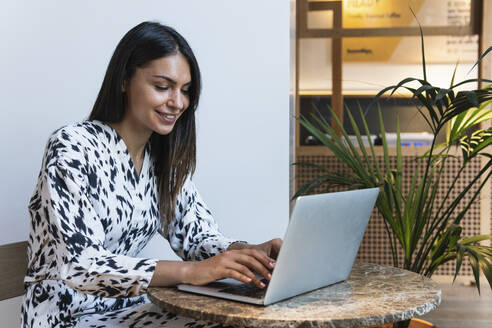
[[158, 94]]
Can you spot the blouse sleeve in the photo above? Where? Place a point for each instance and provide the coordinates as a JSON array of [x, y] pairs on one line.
[[194, 234], [77, 233]]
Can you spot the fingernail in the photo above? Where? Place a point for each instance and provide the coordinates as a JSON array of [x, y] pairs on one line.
[[262, 285], [248, 279], [269, 276], [272, 264]]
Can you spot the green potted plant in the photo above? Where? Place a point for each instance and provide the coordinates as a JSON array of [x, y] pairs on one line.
[[427, 231]]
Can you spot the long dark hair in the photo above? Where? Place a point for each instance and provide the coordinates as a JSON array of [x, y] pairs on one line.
[[174, 155]]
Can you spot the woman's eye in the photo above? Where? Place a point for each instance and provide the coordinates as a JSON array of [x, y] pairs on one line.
[[161, 88], [186, 92]]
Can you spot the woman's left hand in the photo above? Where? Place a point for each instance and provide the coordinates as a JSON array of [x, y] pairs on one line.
[[271, 248]]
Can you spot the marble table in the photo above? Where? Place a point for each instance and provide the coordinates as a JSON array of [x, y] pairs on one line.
[[372, 295]]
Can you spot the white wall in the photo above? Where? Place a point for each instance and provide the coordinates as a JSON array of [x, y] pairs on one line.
[[53, 58]]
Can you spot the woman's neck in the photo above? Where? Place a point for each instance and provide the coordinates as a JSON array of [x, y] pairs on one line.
[[135, 139]]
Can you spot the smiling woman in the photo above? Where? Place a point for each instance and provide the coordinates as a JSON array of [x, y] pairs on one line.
[[109, 183], [154, 71]]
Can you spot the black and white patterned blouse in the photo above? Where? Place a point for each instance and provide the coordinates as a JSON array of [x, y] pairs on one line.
[[91, 214]]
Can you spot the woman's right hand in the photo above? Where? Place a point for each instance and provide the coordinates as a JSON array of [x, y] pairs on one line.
[[236, 264]]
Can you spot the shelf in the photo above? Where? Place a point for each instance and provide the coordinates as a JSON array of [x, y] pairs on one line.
[[324, 151], [352, 94]]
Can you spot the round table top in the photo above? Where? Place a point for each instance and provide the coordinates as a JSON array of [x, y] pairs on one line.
[[372, 295]]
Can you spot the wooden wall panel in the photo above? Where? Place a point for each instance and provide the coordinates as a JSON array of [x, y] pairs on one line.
[[13, 264]]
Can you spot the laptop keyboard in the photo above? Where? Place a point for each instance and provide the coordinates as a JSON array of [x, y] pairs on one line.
[[249, 290]]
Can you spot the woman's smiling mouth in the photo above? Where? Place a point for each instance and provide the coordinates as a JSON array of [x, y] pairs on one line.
[[169, 118]]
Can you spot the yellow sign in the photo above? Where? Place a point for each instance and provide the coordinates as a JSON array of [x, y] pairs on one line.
[[373, 14]]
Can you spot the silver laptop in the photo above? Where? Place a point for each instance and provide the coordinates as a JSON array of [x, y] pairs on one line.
[[318, 250]]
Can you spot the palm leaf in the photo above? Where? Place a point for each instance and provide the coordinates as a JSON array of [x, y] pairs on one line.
[[371, 146], [311, 165], [338, 151], [399, 165], [422, 42], [308, 187], [475, 267], [475, 239], [359, 167], [470, 81], [454, 74], [361, 144], [459, 260], [480, 58]]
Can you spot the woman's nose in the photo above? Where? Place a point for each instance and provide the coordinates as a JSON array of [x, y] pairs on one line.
[[176, 100]]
